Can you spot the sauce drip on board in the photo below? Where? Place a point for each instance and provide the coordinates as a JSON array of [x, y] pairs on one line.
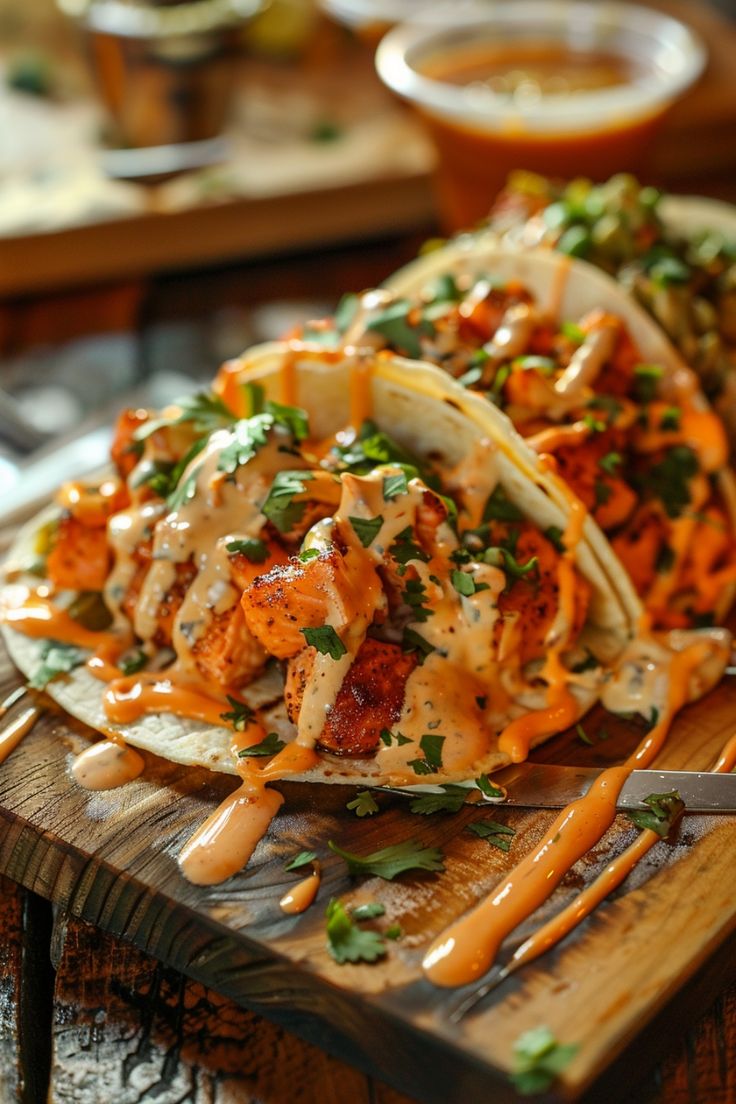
[[16, 729], [302, 895], [229, 836], [468, 948], [106, 765]]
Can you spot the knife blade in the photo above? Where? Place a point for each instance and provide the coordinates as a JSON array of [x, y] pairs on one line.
[[546, 786]]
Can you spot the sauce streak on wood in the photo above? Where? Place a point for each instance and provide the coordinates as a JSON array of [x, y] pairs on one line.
[[228, 838], [302, 895], [12, 735], [106, 765]]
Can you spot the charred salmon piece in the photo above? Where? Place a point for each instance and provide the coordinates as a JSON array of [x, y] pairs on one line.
[[295, 596], [370, 699], [172, 600], [125, 450], [244, 570], [603, 493], [80, 558], [534, 598], [640, 545], [227, 653]]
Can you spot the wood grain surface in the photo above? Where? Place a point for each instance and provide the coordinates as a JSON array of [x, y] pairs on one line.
[[109, 858]]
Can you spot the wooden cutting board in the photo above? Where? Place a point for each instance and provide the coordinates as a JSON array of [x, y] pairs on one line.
[[619, 987]]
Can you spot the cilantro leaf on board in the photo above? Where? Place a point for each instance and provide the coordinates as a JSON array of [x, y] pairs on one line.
[[498, 835], [391, 861], [664, 809], [371, 910], [346, 942], [450, 801], [56, 659], [304, 858], [489, 789], [363, 804], [538, 1060]]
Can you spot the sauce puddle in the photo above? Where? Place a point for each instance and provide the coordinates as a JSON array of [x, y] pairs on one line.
[[106, 765], [302, 895]]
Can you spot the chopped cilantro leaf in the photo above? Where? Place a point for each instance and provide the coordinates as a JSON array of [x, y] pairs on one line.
[[646, 381], [366, 529], [498, 835], [239, 716], [503, 558], [668, 480], [346, 942], [270, 745], [363, 804], [370, 448], [133, 663], [538, 1060], [431, 746], [394, 485], [554, 535], [308, 554], [393, 324], [279, 506], [610, 406], [671, 418], [610, 462], [388, 737], [595, 425], [205, 411], [465, 584], [391, 861], [252, 548], [405, 548], [669, 270], [254, 398], [325, 640], [293, 418], [602, 491], [302, 859], [583, 735], [346, 311], [394, 932], [413, 641], [664, 809], [248, 435], [499, 507], [488, 789], [572, 332], [185, 490], [56, 659], [414, 594], [450, 801]]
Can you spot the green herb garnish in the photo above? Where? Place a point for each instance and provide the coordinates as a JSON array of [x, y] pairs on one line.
[[302, 859], [325, 640], [431, 747], [498, 835], [538, 1060], [664, 809], [134, 663], [240, 716], [270, 745], [56, 659], [279, 506], [363, 804], [366, 529], [450, 801], [252, 548], [391, 861], [346, 942]]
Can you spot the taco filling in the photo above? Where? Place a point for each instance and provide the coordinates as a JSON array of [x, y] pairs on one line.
[[635, 443]]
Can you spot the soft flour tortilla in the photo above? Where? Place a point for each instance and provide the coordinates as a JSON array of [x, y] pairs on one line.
[[432, 417], [566, 289]]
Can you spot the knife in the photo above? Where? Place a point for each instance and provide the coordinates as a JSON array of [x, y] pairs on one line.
[[542, 786]]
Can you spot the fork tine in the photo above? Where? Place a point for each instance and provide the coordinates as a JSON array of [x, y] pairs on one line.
[[464, 1006]]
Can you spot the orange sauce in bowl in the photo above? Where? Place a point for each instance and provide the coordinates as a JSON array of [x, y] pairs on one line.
[[474, 161]]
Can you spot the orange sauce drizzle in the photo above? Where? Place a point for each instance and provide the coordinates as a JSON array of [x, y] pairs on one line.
[[287, 378], [562, 708], [127, 699], [106, 765], [468, 948], [12, 735], [302, 895], [39, 618], [568, 918], [555, 437], [229, 836], [361, 399]]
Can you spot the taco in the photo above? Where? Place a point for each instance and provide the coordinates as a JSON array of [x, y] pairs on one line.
[[589, 381], [381, 590], [675, 255]]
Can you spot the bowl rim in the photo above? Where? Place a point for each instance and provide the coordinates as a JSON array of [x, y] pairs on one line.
[[682, 58]]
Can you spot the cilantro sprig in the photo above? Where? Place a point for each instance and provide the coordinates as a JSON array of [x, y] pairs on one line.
[[347, 942], [270, 745], [204, 411], [239, 716], [539, 1060], [497, 834], [391, 861], [325, 640]]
